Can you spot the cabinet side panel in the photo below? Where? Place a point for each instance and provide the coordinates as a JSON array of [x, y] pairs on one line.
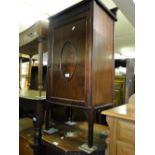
[[103, 50]]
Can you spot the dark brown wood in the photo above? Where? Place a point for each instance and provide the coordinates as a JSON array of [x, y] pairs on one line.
[[81, 64], [38, 121], [90, 127], [84, 3], [102, 69], [63, 87], [81, 57]]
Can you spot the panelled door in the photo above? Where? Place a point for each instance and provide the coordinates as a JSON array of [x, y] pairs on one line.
[[69, 48]]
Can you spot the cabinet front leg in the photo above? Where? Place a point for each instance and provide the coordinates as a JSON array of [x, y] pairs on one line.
[[89, 147], [90, 118]]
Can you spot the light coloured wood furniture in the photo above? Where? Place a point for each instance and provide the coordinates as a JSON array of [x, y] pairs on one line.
[[121, 121]]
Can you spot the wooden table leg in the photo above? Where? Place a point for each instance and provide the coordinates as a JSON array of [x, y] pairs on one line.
[[38, 121], [29, 72], [40, 66], [20, 72]]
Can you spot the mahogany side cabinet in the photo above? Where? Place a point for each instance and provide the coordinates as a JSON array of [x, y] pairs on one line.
[[81, 63]]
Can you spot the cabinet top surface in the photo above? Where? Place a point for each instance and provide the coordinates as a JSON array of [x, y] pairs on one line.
[[126, 111], [84, 2], [32, 94]]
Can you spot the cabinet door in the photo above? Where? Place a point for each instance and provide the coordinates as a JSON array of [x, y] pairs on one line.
[[69, 47]]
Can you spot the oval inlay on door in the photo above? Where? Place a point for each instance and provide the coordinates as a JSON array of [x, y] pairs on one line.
[[68, 60]]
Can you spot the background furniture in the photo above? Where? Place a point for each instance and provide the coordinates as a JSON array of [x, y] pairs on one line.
[[130, 79], [124, 84], [121, 121], [34, 41], [25, 73], [119, 90], [34, 78]]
